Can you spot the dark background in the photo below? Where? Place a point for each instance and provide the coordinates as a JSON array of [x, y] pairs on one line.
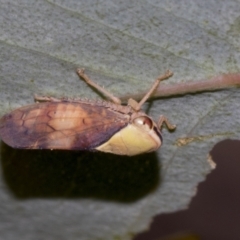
[[214, 213]]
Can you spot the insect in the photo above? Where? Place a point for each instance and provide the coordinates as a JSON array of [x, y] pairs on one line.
[[78, 124]]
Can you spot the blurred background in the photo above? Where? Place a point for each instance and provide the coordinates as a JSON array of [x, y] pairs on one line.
[[214, 213]]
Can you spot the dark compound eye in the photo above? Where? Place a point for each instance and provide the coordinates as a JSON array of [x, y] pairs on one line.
[[144, 121]]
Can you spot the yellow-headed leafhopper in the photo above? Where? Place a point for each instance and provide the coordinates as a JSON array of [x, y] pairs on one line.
[[78, 124]]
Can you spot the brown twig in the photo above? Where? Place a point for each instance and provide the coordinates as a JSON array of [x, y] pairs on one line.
[[216, 83]]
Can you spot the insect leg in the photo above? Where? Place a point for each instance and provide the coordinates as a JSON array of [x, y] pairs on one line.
[[81, 74], [167, 74], [46, 99], [163, 120]]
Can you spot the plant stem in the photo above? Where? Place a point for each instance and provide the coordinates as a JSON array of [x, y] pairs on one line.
[[216, 83]]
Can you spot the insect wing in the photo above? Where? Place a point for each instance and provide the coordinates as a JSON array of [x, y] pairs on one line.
[[60, 125]]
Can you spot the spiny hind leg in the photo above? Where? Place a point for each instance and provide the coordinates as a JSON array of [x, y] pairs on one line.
[[90, 82], [46, 99]]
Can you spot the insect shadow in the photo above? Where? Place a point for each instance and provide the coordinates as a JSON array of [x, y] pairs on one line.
[[69, 174]]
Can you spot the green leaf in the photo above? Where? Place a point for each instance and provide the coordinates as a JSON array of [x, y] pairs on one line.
[[124, 46]]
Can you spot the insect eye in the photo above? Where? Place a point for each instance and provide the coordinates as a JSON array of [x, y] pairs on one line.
[[144, 121]]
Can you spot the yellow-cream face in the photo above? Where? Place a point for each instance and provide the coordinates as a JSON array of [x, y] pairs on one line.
[[141, 135]]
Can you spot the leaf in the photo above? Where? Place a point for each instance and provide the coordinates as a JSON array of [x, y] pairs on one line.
[[123, 46]]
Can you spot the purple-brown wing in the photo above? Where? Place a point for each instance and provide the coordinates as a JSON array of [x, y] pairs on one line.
[[60, 125]]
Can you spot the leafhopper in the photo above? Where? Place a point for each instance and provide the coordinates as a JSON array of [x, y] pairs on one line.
[[78, 124]]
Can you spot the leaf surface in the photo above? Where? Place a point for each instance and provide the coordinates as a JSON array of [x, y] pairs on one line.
[[124, 46]]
